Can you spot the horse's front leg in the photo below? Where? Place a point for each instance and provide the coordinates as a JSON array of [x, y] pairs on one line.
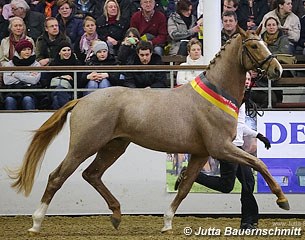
[[192, 171], [235, 154]]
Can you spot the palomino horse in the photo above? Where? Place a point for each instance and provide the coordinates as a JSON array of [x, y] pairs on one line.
[[106, 121]]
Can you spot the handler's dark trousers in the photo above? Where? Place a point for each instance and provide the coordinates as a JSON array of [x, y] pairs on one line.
[[225, 184]]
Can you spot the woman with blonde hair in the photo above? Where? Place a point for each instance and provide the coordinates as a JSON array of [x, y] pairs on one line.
[[194, 57], [111, 27], [84, 50], [17, 31]]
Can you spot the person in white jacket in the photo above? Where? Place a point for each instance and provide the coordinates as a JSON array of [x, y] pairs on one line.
[[229, 171], [289, 22], [24, 56], [194, 49]]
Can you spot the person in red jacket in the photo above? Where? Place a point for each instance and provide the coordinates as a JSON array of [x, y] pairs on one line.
[[151, 24]]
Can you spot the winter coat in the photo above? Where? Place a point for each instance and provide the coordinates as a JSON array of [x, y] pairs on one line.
[[109, 61], [5, 48], [12, 78], [45, 48], [40, 7], [281, 45], [116, 30], [178, 30], [4, 28], [260, 8], [93, 9], [126, 54], [72, 61], [34, 22], [292, 23], [184, 77], [156, 26], [145, 79], [73, 28]]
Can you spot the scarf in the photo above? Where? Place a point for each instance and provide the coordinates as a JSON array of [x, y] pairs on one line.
[[48, 8], [85, 43], [112, 19], [24, 62], [13, 43], [186, 20], [270, 39]]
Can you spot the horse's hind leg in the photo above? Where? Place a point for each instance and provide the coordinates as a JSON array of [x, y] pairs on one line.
[[93, 174], [192, 171], [55, 181]]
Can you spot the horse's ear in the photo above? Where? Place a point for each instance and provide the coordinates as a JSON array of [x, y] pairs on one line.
[[259, 29], [241, 31]]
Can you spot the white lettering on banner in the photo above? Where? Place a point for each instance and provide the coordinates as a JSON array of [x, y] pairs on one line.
[[286, 132]]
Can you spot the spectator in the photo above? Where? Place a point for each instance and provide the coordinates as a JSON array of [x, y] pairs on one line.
[[297, 7], [7, 10], [251, 12], [17, 32], [171, 6], [47, 7], [127, 50], [260, 97], [289, 22], [63, 80], [111, 27], [34, 21], [276, 40], [86, 8], [24, 56], [84, 50], [229, 22], [143, 79], [181, 27], [3, 24], [194, 57], [278, 44], [101, 56], [47, 44], [151, 25], [68, 23], [230, 5]]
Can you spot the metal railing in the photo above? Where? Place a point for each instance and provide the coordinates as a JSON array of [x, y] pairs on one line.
[[130, 68]]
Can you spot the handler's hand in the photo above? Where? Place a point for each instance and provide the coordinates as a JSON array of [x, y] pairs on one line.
[[265, 140]]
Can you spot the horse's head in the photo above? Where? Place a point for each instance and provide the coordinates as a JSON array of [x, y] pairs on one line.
[[256, 55]]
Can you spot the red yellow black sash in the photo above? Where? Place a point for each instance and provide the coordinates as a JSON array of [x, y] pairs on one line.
[[210, 92]]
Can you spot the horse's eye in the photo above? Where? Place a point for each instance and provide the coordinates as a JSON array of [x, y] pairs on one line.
[[254, 46]]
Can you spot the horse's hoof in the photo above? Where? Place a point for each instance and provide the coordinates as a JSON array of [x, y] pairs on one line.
[[32, 233], [115, 222], [167, 230], [284, 204]]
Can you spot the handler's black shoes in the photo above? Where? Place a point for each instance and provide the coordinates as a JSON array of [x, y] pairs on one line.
[[248, 226], [180, 178]]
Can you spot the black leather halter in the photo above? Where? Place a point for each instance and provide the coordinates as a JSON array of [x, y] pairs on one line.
[[258, 64]]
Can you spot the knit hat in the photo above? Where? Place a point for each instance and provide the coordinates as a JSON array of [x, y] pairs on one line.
[[22, 44], [99, 45], [64, 44]]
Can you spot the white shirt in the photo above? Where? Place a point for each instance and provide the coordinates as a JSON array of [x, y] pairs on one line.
[[242, 129]]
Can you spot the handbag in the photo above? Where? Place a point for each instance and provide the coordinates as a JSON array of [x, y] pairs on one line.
[[60, 81]]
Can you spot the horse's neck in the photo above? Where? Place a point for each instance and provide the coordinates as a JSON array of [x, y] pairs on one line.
[[226, 71]]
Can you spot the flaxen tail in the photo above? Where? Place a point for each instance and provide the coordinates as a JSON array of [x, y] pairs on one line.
[[24, 177]]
